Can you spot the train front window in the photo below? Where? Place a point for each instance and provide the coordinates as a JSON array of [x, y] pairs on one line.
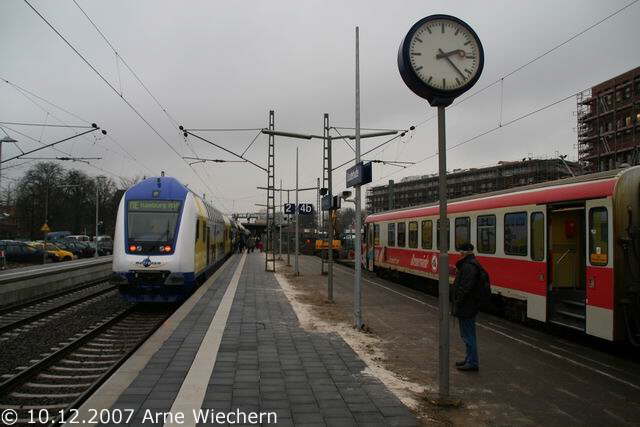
[[152, 220]]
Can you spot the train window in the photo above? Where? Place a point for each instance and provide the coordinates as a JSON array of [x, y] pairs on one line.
[[197, 229], [427, 234], [413, 234], [486, 234], [448, 234], [598, 236], [515, 234], [537, 236], [376, 234], [463, 231], [402, 234], [391, 234]]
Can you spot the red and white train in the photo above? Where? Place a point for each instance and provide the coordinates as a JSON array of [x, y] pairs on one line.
[[564, 252]]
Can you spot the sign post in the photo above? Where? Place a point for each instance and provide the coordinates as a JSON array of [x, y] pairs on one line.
[[439, 59]]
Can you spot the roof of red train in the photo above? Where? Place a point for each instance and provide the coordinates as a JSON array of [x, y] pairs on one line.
[[579, 188]]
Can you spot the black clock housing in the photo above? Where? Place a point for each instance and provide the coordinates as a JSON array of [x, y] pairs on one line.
[[435, 97]]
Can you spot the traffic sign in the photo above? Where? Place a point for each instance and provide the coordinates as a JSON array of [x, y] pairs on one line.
[[45, 228]]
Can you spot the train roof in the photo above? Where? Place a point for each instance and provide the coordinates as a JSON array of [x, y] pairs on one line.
[[167, 188], [590, 186]]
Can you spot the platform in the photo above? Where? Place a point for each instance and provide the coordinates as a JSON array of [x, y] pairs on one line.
[[237, 346], [528, 376], [24, 284]]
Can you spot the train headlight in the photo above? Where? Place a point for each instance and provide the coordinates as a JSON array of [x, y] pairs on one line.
[[139, 248], [167, 248], [132, 248], [161, 248]]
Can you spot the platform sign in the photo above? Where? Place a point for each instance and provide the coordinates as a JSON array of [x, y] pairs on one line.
[[289, 208], [305, 209], [359, 174]]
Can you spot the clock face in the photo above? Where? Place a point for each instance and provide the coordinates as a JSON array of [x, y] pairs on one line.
[[444, 54]]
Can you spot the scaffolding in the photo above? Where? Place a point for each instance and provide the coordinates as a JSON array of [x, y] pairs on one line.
[[417, 190], [608, 116]]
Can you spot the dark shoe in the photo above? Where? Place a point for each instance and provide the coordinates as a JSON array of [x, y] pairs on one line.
[[461, 363], [467, 367]]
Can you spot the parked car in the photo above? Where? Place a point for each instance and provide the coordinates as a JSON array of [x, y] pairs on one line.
[[105, 245], [57, 235], [84, 249], [78, 238], [56, 253], [20, 252], [69, 246]]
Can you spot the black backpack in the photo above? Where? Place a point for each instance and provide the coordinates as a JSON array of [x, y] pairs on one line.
[[485, 285]]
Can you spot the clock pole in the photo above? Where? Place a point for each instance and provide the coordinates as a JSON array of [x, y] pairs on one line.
[[443, 261], [418, 57]]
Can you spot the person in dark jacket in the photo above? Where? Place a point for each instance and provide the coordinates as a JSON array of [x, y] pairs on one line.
[[466, 303]]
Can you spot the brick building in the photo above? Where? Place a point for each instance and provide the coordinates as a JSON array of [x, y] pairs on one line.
[[417, 190], [609, 123]]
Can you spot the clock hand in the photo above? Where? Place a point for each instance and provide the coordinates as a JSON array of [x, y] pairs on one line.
[[460, 52], [443, 55]]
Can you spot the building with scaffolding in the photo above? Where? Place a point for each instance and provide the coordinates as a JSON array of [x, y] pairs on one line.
[[608, 123], [417, 190]]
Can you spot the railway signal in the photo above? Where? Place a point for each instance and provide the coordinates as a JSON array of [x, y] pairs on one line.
[[439, 59]]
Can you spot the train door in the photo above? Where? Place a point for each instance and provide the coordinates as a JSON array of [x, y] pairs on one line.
[[566, 296], [368, 246], [599, 271]]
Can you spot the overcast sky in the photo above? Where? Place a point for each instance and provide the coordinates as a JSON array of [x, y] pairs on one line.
[[225, 64]]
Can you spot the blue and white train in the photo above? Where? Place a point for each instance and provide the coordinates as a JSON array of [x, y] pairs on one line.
[[167, 241]]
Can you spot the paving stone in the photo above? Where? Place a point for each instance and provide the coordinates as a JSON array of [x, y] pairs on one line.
[[267, 362]]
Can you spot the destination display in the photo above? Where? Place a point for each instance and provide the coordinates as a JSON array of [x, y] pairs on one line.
[[154, 205]]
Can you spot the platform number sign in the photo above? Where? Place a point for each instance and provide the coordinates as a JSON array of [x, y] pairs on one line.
[[303, 208], [289, 208]]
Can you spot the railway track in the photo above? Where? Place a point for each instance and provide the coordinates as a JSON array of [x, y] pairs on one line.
[[14, 317], [66, 377]]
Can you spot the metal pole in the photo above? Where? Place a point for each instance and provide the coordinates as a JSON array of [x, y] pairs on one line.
[[280, 226], [96, 235], [297, 266], [288, 236], [357, 289], [443, 264], [318, 210], [46, 221], [330, 192]]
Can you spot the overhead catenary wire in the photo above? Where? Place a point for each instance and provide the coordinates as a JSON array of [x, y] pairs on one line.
[[23, 90], [501, 80], [534, 59], [126, 64], [224, 129], [156, 100], [124, 99], [486, 132], [46, 125], [27, 94]]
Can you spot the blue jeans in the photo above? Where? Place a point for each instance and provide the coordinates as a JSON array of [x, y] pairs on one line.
[[468, 334]]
